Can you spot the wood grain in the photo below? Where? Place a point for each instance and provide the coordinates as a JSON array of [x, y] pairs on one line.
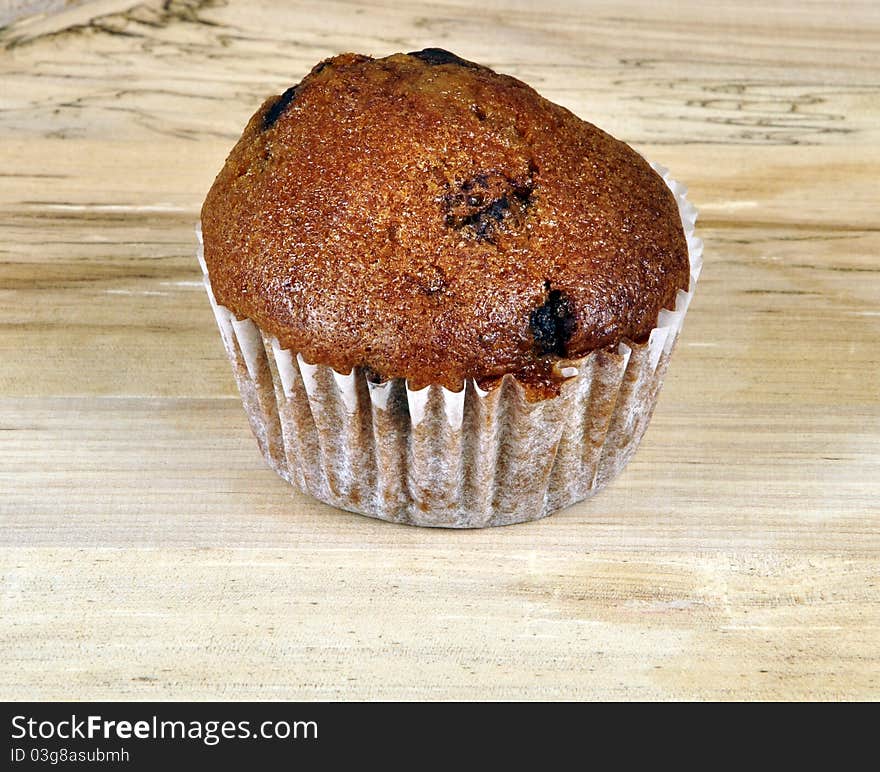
[[147, 552]]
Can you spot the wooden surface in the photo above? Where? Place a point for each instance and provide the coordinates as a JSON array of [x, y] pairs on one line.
[[147, 551]]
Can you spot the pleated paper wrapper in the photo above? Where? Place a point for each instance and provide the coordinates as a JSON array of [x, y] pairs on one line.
[[435, 457]]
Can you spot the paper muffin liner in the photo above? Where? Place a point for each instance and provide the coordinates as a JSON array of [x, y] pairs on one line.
[[436, 457]]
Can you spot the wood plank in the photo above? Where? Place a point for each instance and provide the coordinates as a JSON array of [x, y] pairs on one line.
[[147, 552]]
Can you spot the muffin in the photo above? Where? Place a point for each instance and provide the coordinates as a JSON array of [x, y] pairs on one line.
[[447, 301]]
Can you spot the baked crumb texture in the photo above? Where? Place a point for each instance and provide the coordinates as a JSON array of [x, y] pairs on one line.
[[423, 218]]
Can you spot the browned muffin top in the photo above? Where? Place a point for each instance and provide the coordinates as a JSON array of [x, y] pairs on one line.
[[427, 218]]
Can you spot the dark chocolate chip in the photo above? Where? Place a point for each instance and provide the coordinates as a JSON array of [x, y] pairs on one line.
[[523, 193], [553, 323], [483, 220], [486, 219], [278, 108], [497, 209], [481, 213], [434, 56]]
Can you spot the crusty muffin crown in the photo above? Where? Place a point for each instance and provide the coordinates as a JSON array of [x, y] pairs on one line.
[[424, 217]]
